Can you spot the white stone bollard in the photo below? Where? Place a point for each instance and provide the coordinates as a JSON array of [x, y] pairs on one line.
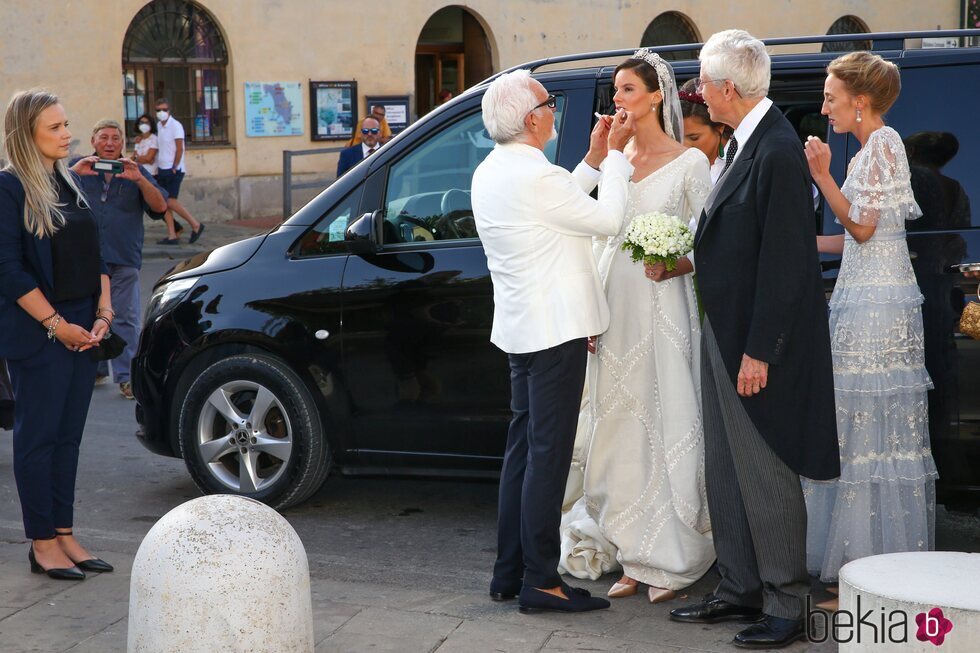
[[935, 594], [220, 573]]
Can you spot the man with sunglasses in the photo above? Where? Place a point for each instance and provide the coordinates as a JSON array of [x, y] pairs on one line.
[[370, 142]]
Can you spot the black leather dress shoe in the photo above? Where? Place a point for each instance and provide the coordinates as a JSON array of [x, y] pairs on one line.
[[711, 610], [504, 590], [535, 600], [771, 632], [94, 564], [65, 573]]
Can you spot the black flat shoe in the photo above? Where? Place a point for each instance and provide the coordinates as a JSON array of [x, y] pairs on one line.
[[712, 610], [65, 573], [197, 234], [504, 590], [97, 565], [534, 600], [771, 632]]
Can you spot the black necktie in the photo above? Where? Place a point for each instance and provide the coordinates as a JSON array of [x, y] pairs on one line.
[[371, 151], [730, 155]]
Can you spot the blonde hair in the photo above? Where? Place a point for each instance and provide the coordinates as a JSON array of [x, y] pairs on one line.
[[868, 74], [42, 212]]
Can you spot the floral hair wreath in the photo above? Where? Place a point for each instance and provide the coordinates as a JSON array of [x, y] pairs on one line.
[[693, 97]]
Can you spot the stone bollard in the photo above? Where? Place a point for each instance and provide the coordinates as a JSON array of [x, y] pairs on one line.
[[919, 601], [220, 573]]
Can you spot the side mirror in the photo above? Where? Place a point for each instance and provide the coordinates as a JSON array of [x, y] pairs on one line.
[[363, 236]]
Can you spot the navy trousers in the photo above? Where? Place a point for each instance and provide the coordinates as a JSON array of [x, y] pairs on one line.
[[52, 391], [546, 393]]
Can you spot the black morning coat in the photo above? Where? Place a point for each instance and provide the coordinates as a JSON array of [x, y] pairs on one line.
[[759, 275]]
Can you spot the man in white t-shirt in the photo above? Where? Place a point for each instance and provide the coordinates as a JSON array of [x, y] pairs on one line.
[[170, 159]]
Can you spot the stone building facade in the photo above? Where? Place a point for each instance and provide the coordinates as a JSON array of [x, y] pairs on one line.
[[111, 59]]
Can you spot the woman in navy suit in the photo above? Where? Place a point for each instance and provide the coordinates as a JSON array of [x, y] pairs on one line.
[[54, 308]]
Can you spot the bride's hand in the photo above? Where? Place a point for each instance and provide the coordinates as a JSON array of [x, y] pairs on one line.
[[656, 271], [591, 344]]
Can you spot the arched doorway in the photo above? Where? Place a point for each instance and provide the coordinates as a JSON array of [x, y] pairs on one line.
[[671, 28], [174, 49], [452, 54], [847, 25]]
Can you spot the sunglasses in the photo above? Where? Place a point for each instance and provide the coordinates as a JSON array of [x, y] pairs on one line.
[[372, 130], [551, 103]]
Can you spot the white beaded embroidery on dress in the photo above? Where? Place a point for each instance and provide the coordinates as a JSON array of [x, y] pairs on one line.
[[884, 500]]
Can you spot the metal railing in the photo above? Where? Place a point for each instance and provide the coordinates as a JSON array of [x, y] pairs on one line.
[[287, 177]]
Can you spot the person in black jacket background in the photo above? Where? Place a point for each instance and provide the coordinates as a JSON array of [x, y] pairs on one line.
[[54, 307]]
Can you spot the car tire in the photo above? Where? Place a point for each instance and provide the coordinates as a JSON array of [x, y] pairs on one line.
[[249, 426]]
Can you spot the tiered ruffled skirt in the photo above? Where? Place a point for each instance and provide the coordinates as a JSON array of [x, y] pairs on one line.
[[884, 501]]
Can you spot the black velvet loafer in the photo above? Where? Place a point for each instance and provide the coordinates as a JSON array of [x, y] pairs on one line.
[[534, 600], [771, 632], [504, 590], [712, 610]]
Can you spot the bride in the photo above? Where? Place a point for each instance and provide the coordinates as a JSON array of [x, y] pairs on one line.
[[640, 452]]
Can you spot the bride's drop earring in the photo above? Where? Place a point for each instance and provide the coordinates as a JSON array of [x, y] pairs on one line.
[[859, 115]]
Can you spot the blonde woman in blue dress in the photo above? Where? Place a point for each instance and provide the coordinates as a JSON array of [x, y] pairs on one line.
[[884, 500]]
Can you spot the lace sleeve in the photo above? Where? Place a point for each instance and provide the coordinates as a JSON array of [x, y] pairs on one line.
[[879, 187], [697, 186]]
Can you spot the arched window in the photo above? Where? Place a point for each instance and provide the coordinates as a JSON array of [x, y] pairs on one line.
[[671, 28], [847, 25], [174, 49]]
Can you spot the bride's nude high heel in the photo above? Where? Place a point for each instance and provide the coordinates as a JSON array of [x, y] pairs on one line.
[[659, 594], [622, 588]]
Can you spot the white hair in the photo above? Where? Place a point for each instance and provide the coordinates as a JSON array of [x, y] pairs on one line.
[[506, 104], [737, 55]]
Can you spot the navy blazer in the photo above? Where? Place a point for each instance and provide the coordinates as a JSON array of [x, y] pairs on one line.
[[349, 157], [26, 263]]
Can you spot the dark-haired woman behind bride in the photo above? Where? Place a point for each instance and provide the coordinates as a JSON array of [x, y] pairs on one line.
[[641, 441]]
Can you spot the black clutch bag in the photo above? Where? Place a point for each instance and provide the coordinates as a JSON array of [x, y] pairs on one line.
[[110, 347]]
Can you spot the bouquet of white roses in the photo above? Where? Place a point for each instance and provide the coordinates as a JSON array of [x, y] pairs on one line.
[[658, 238]]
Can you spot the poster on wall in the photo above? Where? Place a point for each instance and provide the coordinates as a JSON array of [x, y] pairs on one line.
[[333, 110], [396, 110], [273, 108]]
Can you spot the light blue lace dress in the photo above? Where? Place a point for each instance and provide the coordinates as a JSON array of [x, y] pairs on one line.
[[884, 501]]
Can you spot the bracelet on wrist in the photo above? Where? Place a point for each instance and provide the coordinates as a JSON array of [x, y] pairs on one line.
[[105, 309], [43, 320], [107, 321], [53, 327]]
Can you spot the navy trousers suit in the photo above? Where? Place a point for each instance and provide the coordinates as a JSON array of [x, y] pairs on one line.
[[52, 384]]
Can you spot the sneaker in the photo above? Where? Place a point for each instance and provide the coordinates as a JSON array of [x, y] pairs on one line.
[[126, 389], [101, 380], [168, 241], [197, 234]]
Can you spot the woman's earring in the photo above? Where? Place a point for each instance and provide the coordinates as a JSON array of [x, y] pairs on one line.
[[859, 115]]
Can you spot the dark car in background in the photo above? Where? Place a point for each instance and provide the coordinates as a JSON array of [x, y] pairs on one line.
[[355, 335]]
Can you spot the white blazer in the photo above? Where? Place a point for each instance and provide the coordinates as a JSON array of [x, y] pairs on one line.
[[536, 222]]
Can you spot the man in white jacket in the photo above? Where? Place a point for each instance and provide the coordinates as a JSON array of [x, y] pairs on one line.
[[536, 223]]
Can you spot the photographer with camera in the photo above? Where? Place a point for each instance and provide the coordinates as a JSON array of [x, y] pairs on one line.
[[119, 191]]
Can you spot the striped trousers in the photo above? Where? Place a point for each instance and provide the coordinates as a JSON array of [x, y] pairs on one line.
[[758, 515]]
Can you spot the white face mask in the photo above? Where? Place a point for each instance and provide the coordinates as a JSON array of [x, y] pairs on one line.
[[162, 115], [144, 127]]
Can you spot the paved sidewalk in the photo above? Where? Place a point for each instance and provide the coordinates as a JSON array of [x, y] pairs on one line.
[[215, 234], [39, 614]]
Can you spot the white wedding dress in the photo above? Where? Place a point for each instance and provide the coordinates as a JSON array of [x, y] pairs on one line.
[[639, 454]]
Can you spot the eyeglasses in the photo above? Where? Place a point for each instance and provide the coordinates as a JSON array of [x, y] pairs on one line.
[[371, 130], [551, 103], [699, 84]]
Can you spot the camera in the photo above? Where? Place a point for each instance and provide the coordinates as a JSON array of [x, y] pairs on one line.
[[108, 165]]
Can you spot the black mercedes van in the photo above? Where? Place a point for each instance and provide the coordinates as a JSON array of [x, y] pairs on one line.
[[355, 335]]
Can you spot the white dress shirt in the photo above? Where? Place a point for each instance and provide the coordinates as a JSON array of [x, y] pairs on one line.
[[745, 128], [536, 222], [366, 151]]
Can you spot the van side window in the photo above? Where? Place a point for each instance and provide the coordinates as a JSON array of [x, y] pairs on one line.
[[428, 191], [327, 235]]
